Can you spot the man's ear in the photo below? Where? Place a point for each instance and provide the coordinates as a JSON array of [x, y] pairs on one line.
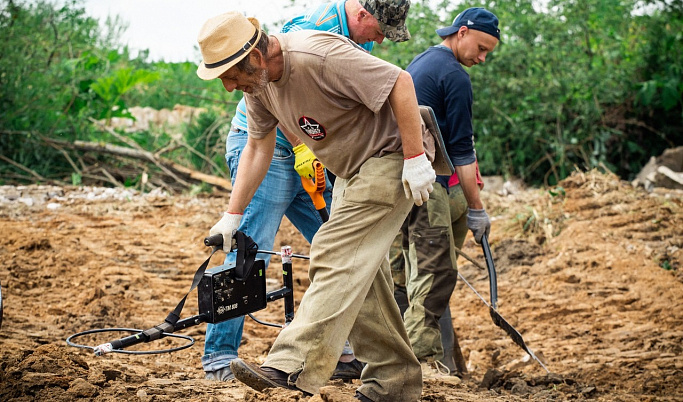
[[256, 57], [462, 31]]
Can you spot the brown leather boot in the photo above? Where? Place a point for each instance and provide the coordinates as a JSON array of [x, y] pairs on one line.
[[260, 378]]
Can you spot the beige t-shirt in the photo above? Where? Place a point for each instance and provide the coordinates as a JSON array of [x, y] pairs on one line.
[[333, 96]]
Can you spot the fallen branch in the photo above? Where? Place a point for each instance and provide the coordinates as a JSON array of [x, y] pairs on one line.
[[22, 167], [168, 167], [111, 178], [147, 155]]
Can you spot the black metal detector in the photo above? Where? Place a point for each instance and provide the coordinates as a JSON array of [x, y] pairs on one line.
[[223, 292]]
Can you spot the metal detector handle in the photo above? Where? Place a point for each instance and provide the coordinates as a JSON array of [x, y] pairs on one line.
[[214, 241], [493, 281]]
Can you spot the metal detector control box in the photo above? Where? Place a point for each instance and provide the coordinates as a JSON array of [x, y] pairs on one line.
[[222, 297]]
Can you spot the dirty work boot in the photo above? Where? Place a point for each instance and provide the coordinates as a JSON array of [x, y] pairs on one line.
[[348, 371], [222, 374], [260, 378], [362, 397], [436, 371]]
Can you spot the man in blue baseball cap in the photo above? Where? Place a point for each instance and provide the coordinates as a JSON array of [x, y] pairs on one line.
[[431, 230], [477, 18]]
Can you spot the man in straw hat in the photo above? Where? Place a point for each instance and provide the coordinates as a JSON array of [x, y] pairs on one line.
[[359, 115], [281, 192]]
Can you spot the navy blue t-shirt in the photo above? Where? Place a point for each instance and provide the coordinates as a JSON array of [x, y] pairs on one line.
[[444, 85]]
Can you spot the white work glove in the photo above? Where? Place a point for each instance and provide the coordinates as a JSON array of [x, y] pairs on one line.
[[418, 176], [227, 226], [479, 223]]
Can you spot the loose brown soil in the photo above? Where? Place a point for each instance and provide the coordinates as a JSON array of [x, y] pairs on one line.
[[591, 275]]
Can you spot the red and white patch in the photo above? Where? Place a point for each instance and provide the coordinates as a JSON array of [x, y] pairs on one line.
[[312, 128]]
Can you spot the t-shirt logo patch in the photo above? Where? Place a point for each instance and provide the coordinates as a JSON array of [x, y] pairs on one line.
[[312, 128]]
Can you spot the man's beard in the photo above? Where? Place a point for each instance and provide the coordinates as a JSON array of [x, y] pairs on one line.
[[261, 84]]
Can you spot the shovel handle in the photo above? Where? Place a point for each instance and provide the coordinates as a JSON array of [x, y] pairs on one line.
[[493, 281]]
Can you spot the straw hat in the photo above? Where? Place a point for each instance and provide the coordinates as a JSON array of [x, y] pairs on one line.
[[224, 40]]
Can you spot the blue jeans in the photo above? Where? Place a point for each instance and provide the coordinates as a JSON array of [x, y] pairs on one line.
[[280, 193]]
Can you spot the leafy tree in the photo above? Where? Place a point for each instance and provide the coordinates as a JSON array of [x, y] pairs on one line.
[[45, 54], [54, 81], [572, 84], [178, 83], [111, 89], [657, 107]]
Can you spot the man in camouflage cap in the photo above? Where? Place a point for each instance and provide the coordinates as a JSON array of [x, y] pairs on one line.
[[391, 15]]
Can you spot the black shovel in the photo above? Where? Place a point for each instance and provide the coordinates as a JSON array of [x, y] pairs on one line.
[[493, 307]]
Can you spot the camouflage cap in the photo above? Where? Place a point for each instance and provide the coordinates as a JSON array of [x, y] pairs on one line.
[[391, 15]]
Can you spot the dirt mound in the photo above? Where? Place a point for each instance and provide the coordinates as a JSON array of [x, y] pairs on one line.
[[589, 273]]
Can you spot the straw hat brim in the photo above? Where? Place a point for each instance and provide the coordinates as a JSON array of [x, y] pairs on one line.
[[206, 73]]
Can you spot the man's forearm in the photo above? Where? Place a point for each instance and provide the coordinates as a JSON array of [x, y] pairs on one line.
[[404, 104], [468, 182], [253, 166]]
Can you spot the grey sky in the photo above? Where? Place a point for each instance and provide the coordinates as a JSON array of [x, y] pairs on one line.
[[169, 28]]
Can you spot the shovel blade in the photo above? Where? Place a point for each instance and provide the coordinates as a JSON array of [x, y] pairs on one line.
[[514, 335], [509, 329]]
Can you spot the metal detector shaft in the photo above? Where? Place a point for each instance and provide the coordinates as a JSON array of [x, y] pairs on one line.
[[217, 287], [287, 292], [217, 241], [303, 257], [152, 334]]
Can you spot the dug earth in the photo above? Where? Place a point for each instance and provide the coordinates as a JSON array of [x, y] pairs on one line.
[[589, 272]]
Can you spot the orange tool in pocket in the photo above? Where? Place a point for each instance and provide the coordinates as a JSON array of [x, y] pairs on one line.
[[315, 188]]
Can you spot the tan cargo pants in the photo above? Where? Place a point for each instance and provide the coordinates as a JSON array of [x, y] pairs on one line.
[[351, 292]]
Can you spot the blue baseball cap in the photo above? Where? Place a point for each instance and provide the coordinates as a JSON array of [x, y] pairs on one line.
[[477, 18]]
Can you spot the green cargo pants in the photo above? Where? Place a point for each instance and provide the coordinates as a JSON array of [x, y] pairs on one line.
[[428, 268], [351, 292]]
